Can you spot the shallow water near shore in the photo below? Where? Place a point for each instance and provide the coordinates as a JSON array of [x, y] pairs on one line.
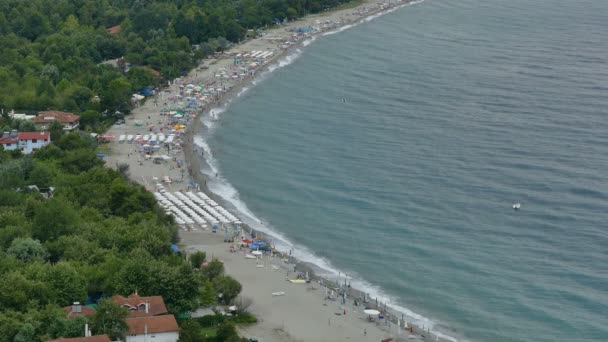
[[394, 151]]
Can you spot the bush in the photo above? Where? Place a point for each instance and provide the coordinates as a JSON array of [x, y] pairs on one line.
[[244, 318], [210, 320]]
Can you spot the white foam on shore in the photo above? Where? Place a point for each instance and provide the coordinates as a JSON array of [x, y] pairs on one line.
[[221, 187], [309, 41], [285, 61]]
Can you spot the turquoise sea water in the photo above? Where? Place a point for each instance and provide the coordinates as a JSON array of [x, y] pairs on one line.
[[454, 111]]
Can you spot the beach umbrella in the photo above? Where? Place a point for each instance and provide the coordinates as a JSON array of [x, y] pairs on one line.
[[257, 253], [371, 312], [247, 241]]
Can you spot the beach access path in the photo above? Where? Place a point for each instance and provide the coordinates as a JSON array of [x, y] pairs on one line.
[[301, 314]]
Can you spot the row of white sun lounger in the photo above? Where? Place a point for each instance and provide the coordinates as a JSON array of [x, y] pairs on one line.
[[153, 138], [190, 208], [256, 54]]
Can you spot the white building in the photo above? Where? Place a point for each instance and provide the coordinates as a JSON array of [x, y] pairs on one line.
[[27, 142], [152, 329], [20, 116]]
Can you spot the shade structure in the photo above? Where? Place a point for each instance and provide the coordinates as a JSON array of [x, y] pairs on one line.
[[371, 312]]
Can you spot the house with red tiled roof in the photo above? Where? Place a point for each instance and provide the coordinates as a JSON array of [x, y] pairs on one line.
[[114, 29], [96, 338], [77, 309], [141, 306], [70, 121], [152, 328], [26, 142]]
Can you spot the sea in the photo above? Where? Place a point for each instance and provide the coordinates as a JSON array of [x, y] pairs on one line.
[[391, 154]]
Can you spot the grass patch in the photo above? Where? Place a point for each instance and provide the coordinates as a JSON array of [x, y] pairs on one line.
[[209, 332]]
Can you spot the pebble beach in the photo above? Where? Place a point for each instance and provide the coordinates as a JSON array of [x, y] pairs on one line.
[[175, 114]]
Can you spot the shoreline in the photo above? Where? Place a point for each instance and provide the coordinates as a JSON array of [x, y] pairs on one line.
[[192, 159]]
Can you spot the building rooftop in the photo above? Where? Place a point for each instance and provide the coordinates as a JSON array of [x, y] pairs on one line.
[[151, 324], [33, 135], [137, 305], [77, 309], [96, 338], [51, 115], [114, 29]]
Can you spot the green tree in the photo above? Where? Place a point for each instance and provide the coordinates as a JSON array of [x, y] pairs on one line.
[[73, 141], [110, 319], [42, 175], [197, 258], [117, 96], [26, 333], [67, 283], [67, 327], [48, 152], [27, 250], [190, 331], [140, 78], [208, 294], [26, 126], [17, 292], [90, 119], [56, 129], [226, 332], [54, 219], [213, 269], [227, 288], [80, 160]]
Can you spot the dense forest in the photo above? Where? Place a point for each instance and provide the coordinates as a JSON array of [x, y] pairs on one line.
[[97, 236], [52, 50]]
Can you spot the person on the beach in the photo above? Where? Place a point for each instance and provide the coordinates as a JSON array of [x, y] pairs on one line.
[[364, 332]]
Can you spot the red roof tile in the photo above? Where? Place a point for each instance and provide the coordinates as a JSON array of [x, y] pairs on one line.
[[114, 29], [8, 140], [153, 324], [137, 305], [33, 135], [84, 311], [96, 338], [51, 115]]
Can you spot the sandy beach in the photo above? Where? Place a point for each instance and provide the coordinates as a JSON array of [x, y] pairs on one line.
[[303, 313]]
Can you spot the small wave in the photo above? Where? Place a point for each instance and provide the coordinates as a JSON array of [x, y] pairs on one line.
[[309, 41], [222, 188], [284, 61], [242, 91], [340, 29]]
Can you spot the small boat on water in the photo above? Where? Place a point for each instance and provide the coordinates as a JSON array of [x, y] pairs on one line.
[[516, 206]]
